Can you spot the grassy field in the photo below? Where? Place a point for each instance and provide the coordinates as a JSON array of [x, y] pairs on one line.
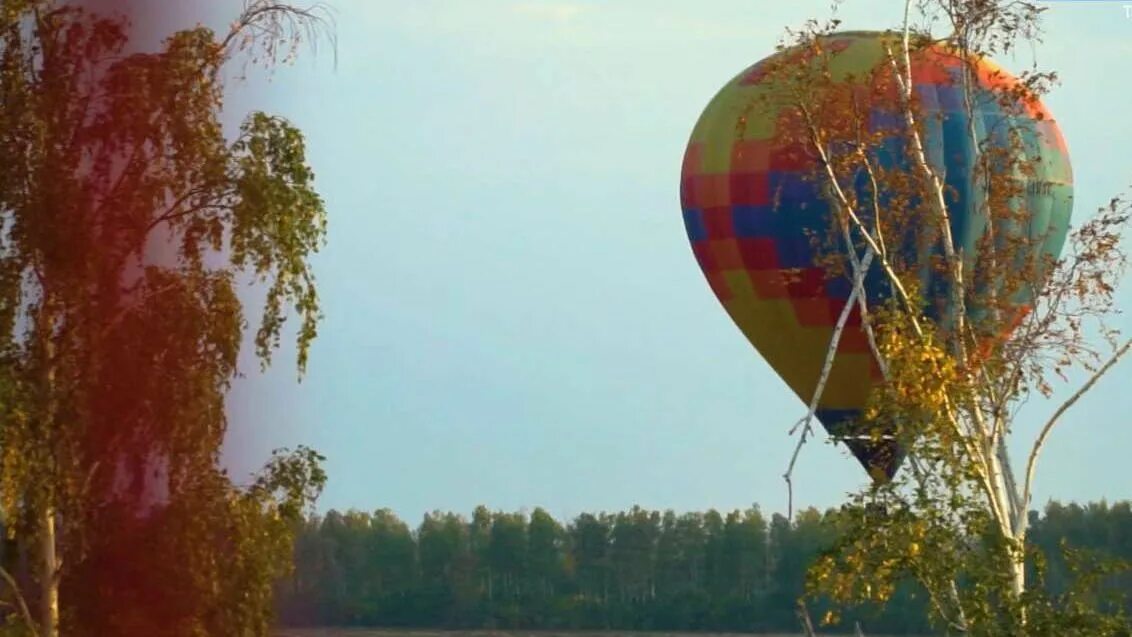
[[352, 632]]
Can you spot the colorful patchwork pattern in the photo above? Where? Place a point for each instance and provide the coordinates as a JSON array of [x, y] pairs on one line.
[[751, 208]]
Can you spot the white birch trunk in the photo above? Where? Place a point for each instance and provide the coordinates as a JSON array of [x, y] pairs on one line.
[[49, 574]]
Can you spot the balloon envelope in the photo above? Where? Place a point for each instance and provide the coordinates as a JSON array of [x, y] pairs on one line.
[[750, 207]]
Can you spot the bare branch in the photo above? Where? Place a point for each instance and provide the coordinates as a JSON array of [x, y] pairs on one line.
[[273, 22], [1031, 464], [953, 591], [806, 423], [29, 621], [860, 269], [804, 619], [835, 340]]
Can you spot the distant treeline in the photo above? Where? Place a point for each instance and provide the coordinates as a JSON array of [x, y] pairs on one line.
[[635, 570]]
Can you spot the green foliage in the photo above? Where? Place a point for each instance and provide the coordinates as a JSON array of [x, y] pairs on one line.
[[738, 572], [225, 547], [114, 355]]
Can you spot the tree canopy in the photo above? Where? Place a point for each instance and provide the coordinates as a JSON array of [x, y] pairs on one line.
[[126, 219], [634, 570], [982, 315]]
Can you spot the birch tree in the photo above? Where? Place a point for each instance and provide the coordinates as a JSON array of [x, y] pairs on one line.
[[958, 358], [110, 359]]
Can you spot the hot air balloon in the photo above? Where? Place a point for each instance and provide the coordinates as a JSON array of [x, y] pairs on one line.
[[751, 206]]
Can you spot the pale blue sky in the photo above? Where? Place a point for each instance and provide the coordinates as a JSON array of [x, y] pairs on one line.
[[513, 314]]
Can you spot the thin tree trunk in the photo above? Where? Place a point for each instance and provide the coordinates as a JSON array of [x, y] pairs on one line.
[[49, 576], [804, 619], [1019, 577], [49, 562]]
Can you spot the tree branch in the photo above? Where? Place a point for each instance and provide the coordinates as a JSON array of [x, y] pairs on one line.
[[989, 476], [806, 423], [29, 621], [132, 164], [1031, 464], [1003, 495], [815, 139], [804, 619], [860, 269], [124, 311], [277, 13], [174, 210]]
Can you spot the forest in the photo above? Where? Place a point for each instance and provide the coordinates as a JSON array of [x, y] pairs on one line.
[[738, 571]]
